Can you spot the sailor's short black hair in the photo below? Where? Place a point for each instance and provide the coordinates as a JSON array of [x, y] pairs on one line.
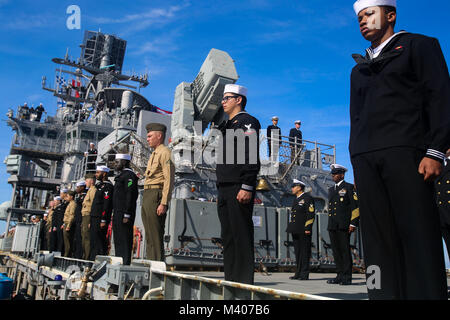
[[389, 9], [244, 101]]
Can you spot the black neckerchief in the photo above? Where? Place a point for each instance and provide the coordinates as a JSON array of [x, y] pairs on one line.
[[384, 55]]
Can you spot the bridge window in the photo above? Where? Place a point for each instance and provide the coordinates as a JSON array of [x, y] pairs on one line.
[[26, 130], [39, 132], [51, 134], [88, 135]]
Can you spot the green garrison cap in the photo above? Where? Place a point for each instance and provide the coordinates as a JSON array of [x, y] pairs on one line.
[[155, 127]]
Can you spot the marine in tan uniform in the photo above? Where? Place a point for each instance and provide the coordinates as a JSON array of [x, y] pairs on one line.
[[86, 215], [158, 185], [69, 217]]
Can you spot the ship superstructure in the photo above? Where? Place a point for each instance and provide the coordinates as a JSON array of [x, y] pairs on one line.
[[92, 103]]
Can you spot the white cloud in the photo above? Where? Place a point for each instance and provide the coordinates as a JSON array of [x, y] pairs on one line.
[[151, 68], [141, 21], [158, 46], [151, 14], [28, 22]]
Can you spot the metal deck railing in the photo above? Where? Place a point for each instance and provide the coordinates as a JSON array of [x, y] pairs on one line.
[[160, 285], [306, 153], [177, 286]]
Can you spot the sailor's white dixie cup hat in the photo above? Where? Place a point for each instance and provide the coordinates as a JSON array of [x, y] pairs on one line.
[[235, 88], [337, 168], [102, 168], [296, 182], [123, 156], [81, 183], [360, 5]]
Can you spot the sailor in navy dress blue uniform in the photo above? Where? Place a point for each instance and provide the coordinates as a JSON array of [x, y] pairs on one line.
[[77, 240], [274, 137], [295, 139], [343, 218], [57, 220], [300, 225], [101, 210], [124, 207], [236, 174], [399, 131]]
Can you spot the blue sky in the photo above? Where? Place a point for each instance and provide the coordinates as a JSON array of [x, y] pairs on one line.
[[294, 56]]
